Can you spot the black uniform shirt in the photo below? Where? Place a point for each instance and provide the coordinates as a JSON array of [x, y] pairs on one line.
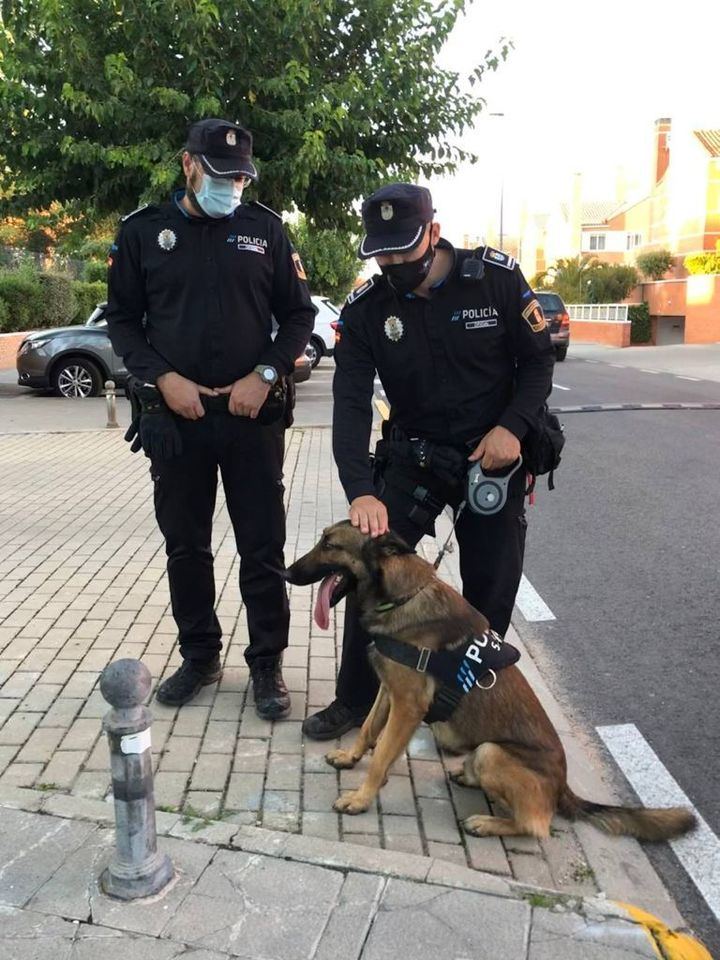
[[207, 289], [475, 355]]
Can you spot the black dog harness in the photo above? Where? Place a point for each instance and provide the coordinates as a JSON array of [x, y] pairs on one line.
[[458, 670]]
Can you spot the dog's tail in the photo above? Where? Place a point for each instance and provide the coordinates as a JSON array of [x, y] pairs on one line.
[[645, 823]]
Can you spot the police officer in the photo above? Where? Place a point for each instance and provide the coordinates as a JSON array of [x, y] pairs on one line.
[[460, 345], [193, 287]]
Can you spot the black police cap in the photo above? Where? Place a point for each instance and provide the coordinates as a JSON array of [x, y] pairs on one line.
[[395, 218], [223, 148]]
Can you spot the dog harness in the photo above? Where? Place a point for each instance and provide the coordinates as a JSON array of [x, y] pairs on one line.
[[459, 670]]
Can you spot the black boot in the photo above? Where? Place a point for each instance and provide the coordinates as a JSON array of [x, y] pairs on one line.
[[186, 682], [272, 700], [333, 721]]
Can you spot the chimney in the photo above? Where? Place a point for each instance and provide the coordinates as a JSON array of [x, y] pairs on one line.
[[662, 148]]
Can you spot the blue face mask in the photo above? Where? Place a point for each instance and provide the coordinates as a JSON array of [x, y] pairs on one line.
[[218, 198]]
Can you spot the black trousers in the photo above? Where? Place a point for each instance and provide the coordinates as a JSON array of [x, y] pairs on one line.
[[250, 459], [491, 561]]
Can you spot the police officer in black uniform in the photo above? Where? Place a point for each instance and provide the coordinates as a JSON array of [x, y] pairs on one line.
[[460, 345], [193, 287]]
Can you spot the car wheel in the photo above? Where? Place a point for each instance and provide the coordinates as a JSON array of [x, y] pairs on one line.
[[315, 351], [76, 378], [560, 354]]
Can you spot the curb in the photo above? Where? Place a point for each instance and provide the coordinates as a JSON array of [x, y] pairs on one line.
[[667, 943]]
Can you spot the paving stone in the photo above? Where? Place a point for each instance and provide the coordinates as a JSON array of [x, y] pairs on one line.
[[63, 768], [211, 772], [438, 820], [28, 935], [7, 754], [191, 721], [429, 779], [203, 803], [286, 737], [487, 853], [82, 735], [19, 684], [320, 790], [41, 745], [239, 892], [22, 774], [396, 797], [59, 672], [245, 791], [62, 712], [432, 922], [204, 831], [32, 848], [7, 706], [250, 756], [320, 824], [170, 789], [93, 784], [347, 929], [281, 810], [452, 852], [67, 893], [579, 938], [283, 772], [179, 755], [422, 746], [220, 736], [531, 869], [18, 727]]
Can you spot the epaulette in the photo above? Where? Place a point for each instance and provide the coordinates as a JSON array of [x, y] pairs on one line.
[[134, 213], [497, 257], [360, 291], [269, 209]]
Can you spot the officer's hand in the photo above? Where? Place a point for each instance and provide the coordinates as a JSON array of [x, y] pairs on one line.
[[497, 449], [182, 395], [370, 514], [246, 396]]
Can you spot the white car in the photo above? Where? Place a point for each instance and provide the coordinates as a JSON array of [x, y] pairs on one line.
[[322, 341]]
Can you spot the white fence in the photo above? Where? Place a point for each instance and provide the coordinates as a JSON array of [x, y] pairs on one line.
[[598, 312]]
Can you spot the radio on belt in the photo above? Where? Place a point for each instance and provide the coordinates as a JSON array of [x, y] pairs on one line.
[[485, 494]]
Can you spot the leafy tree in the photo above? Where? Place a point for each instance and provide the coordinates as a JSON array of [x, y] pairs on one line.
[[339, 94], [655, 264], [707, 262], [570, 277], [329, 257], [611, 282]]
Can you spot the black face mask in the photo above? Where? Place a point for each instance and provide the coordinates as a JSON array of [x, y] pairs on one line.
[[406, 277]]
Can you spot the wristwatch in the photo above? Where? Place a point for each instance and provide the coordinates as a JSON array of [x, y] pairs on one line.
[[268, 375]]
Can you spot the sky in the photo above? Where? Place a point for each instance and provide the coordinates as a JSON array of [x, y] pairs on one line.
[[580, 92]]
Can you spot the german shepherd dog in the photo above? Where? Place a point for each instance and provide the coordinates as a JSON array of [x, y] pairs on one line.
[[513, 751]]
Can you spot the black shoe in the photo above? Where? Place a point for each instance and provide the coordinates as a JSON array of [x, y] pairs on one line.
[[186, 682], [333, 721], [272, 700]]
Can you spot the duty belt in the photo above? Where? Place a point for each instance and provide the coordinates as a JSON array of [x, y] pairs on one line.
[[459, 670]]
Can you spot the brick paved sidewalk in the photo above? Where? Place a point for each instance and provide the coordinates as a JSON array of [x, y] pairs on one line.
[[82, 582]]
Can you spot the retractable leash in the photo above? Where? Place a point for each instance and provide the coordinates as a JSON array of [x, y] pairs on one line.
[[447, 547]]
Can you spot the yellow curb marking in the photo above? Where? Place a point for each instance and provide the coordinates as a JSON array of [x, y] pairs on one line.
[[382, 408], [668, 944]]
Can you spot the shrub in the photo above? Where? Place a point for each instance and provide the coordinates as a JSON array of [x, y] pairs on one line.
[[23, 300], [655, 264], [94, 271], [640, 328], [703, 263], [87, 296], [59, 303]]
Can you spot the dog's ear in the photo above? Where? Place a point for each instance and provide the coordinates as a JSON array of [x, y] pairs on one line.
[[390, 545]]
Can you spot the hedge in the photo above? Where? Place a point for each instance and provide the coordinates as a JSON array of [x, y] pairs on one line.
[[640, 327], [95, 270], [30, 300]]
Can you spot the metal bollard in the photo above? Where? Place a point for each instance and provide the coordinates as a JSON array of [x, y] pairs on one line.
[[110, 400], [137, 869]]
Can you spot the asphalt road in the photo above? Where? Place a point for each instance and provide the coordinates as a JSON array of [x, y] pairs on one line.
[[626, 553]]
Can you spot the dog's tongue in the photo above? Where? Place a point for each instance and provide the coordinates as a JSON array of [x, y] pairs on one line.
[[322, 603]]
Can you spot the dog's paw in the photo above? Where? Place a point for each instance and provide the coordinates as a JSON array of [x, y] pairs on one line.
[[340, 759], [351, 802], [458, 776], [480, 826]]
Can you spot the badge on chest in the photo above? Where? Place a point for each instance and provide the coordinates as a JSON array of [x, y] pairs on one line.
[[394, 329]]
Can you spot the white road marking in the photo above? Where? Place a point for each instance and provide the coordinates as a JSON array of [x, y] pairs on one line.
[[619, 366], [531, 604], [693, 379], [649, 371], [556, 386], [699, 850], [592, 361]]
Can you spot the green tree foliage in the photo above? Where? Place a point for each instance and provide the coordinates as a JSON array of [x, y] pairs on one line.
[[708, 262], [339, 94], [655, 264], [611, 282], [584, 279], [640, 326], [329, 257]]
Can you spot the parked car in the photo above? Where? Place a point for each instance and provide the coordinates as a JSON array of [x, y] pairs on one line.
[[322, 341], [558, 322], [76, 361]]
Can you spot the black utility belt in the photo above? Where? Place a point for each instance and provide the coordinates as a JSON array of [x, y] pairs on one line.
[[270, 412]]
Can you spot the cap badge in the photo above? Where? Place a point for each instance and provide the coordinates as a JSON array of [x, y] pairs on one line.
[[167, 240], [230, 138], [386, 210], [394, 328]]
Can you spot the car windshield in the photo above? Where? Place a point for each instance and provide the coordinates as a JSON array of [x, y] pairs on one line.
[[550, 302]]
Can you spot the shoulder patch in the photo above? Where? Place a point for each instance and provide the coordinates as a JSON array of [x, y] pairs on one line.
[[268, 209], [134, 213], [360, 291], [497, 257]]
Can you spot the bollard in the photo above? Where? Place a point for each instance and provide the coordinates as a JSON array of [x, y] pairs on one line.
[[110, 400], [137, 868]]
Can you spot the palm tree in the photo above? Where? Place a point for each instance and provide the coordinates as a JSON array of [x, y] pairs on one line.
[[570, 277]]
